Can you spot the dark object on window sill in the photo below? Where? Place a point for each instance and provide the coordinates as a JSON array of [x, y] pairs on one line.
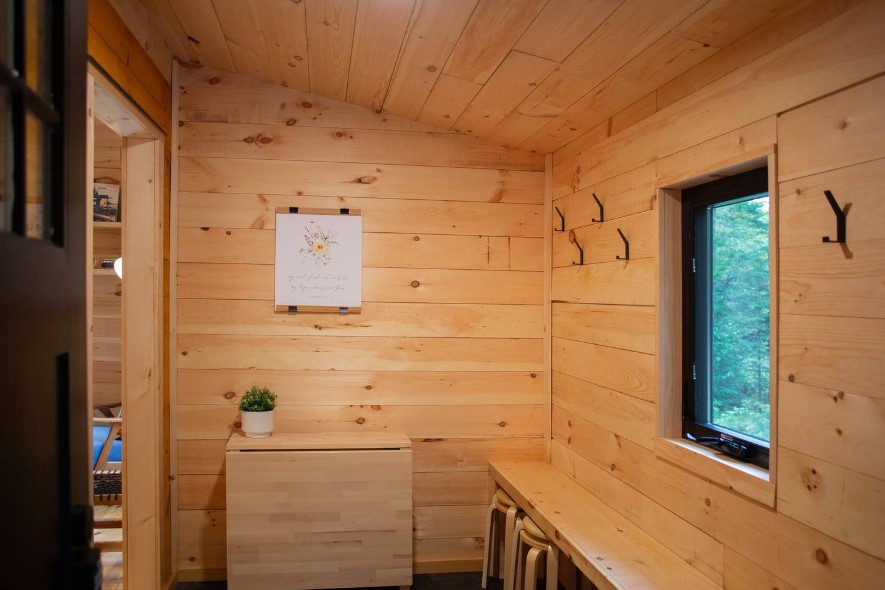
[[724, 444]]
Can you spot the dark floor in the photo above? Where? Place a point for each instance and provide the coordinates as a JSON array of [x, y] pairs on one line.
[[469, 581]]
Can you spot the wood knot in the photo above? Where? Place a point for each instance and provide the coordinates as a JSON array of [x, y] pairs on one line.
[[291, 122], [569, 423], [791, 378], [339, 134], [306, 105], [821, 556], [249, 139], [368, 388], [569, 440], [377, 408], [534, 375], [502, 423], [707, 501], [214, 80], [612, 467], [415, 284], [417, 238], [839, 431], [431, 68], [298, 58], [230, 395], [238, 424], [264, 139], [228, 232], [366, 179], [184, 353], [360, 420], [556, 534]]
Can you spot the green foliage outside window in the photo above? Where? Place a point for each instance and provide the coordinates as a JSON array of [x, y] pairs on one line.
[[741, 318]]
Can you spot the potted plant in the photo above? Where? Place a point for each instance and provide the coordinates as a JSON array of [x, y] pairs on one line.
[[257, 407]]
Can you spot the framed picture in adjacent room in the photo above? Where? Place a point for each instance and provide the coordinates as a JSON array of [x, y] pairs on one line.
[[105, 199]]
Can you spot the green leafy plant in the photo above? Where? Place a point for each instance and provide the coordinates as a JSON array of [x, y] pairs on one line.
[[258, 399]]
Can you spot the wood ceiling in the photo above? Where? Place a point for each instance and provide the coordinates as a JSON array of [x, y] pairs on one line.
[[534, 74]]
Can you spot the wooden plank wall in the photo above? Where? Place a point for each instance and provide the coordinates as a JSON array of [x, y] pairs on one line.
[[113, 47], [820, 99], [449, 345]]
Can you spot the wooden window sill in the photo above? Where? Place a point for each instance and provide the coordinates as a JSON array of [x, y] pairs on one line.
[[745, 479]]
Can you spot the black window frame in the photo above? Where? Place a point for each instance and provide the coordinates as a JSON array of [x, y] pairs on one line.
[[26, 100], [695, 200]]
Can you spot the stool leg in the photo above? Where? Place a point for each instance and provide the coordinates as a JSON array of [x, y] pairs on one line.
[[552, 567], [517, 569], [531, 569], [508, 540], [511, 582], [488, 548]]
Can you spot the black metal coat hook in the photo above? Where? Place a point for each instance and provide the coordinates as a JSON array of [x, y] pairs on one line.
[[626, 247], [561, 219], [840, 220], [601, 211], [573, 240]]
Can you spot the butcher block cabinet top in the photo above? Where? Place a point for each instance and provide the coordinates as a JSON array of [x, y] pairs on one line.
[[319, 510], [326, 441]]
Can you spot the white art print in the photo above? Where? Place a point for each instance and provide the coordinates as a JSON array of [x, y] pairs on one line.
[[319, 260]]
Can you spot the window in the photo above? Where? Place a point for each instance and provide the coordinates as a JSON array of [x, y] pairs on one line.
[[31, 173], [726, 315]]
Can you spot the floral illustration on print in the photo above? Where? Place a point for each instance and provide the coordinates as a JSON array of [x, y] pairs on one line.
[[318, 243]]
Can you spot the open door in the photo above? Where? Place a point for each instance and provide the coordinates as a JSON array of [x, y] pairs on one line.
[[46, 518]]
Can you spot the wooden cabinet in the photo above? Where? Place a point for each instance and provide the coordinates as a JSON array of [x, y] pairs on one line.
[[319, 510]]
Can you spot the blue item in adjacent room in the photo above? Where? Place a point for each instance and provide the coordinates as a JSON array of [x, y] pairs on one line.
[[99, 435]]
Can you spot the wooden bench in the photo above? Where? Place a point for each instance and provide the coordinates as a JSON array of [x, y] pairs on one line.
[[610, 550]]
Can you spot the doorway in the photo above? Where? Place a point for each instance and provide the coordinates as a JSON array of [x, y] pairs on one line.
[[125, 318]]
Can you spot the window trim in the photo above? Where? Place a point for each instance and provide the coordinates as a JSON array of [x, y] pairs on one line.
[[745, 479], [693, 200]]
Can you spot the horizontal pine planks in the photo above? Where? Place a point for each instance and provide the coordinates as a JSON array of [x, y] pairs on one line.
[[380, 250], [448, 345], [826, 128], [334, 179], [373, 146], [404, 285], [421, 216]]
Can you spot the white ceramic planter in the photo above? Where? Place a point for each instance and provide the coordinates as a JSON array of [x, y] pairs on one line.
[[257, 424]]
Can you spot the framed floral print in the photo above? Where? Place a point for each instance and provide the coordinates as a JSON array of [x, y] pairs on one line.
[[319, 258]]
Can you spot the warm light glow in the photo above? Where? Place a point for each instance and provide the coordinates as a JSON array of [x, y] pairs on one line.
[[118, 267]]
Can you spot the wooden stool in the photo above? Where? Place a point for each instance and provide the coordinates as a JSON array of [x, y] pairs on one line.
[[539, 547], [502, 504]]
